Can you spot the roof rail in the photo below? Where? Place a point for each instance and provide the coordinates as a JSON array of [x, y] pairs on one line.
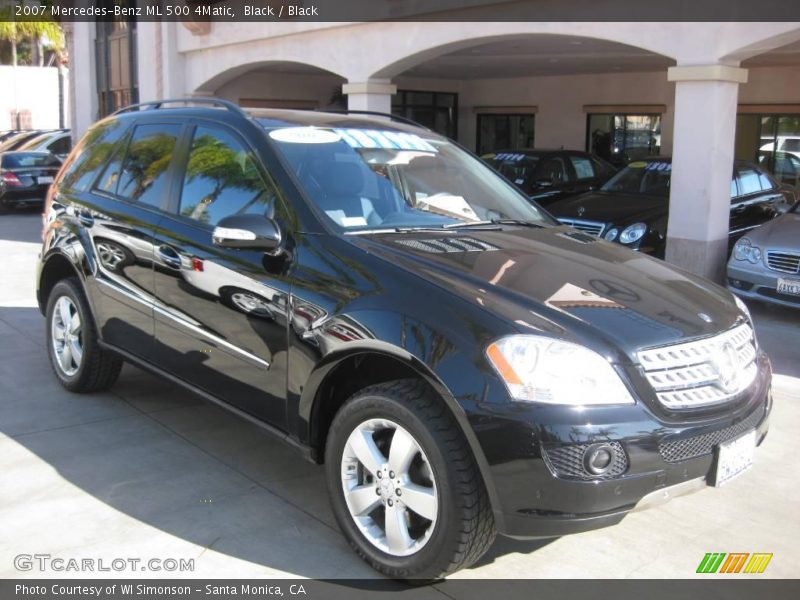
[[375, 113], [156, 104]]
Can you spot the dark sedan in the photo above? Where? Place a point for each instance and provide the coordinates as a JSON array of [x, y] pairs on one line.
[[549, 175], [632, 207], [25, 177]]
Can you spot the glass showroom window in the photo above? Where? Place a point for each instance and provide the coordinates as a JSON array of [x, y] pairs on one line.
[[773, 141], [505, 132], [115, 57], [621, 138], [435, 110]]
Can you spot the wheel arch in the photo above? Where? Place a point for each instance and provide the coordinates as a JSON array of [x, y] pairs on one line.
[[340, 375], [56, 266]]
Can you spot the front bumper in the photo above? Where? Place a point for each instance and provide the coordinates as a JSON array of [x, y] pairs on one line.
[[535, 500], [757, 283]]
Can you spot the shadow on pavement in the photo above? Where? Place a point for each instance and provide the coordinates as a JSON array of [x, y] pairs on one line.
[[159, 455]]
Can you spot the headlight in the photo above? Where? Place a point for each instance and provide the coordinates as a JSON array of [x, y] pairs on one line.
[[743, 307], [540, 369], [611, 234], [632, 233], [744, 250]]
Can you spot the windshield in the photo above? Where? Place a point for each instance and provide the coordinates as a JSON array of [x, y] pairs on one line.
[[363, 179], [20, 160], [650, 178], [514, 166]]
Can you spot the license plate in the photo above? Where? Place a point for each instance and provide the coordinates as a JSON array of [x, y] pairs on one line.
[[735, 457], [46, 179], [789, 286]]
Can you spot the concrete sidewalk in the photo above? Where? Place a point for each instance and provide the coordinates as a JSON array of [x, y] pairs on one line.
[[147, 470]]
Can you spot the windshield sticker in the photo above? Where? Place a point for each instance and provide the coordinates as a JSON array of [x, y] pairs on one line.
[[489, 156], [389, 140], [659, 166], [304, 135], [640, 164], [509, 156]]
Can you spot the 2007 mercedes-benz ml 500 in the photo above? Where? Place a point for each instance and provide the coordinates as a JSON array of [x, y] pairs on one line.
[[460, 362]]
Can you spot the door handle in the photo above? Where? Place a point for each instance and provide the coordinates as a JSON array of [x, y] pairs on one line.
[[169, 256]]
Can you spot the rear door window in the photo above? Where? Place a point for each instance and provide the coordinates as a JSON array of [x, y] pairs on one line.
[[749, 182], [583, 167]]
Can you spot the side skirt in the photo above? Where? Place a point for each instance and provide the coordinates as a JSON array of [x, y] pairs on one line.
[[305, 451]]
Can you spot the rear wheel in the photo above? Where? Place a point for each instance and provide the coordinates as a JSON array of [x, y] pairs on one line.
[[78, 361], [403, 483]]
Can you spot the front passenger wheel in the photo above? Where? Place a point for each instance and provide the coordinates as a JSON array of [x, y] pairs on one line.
[[404, 486], [79, 362]]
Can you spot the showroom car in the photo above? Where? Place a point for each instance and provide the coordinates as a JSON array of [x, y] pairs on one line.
[[548, 175], [461, 363], [633, 206], [58, 143], [765, 265]]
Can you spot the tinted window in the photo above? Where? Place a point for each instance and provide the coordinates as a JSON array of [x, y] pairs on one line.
[[61, 146], [20, 160], [651, 178], [583, 167], [749, 182], [221, 179], [144, 170], [552, 169], [84, 164]]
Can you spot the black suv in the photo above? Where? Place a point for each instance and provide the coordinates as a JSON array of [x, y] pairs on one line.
[[385, 302]]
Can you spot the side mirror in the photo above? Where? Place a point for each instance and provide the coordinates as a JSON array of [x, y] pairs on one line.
[[248, 232], [545, 183]]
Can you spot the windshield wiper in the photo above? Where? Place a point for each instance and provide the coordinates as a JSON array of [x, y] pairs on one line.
[[517, 222]]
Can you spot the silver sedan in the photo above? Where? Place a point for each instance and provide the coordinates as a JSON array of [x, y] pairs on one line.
[[765, 264]]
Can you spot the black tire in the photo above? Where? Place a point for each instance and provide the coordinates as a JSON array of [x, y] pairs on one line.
[[464, 527], [99, 368]]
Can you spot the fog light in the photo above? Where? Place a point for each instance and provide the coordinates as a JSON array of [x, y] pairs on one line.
[[598, 458]]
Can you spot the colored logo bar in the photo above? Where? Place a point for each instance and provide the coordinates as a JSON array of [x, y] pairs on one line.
[[734, 562]]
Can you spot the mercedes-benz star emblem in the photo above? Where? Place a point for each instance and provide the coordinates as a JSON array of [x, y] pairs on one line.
[[581, 211], [726, 364]]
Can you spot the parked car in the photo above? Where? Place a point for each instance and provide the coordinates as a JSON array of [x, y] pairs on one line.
[[765, 265], [7, 134], [25, 177], [786, 143], [58, 143], [13, 142], [548, 175], [460, 362], [632, 207]]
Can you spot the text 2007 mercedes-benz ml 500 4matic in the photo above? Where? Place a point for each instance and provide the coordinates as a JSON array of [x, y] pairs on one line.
[[461, 363]]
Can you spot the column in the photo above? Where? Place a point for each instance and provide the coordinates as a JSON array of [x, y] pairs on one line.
[[374, 95], [82, 82], [702, 166]]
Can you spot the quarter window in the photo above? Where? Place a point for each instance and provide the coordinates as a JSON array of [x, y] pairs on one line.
[[222, 179]]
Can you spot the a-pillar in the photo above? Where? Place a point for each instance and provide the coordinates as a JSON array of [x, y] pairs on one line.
[[702, 166]]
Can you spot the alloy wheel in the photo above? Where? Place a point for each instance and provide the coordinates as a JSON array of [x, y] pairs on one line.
[[389, 487], [66, 336]]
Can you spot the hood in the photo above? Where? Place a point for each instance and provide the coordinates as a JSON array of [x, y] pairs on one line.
[[560, 281], [607, 207], [782, 233]]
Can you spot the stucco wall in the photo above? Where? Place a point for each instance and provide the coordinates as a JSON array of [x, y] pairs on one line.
[[33, 89]]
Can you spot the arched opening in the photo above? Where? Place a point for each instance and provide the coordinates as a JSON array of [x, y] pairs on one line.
[[539, 90], [277, 84]]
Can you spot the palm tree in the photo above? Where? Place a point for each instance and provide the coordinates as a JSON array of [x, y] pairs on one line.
[[41, 33]]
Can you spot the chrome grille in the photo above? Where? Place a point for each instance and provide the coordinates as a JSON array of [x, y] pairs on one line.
[[704, 372], [593, 228], [785, 262]]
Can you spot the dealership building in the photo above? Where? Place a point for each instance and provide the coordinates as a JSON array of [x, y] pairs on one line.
[[704, 93]]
